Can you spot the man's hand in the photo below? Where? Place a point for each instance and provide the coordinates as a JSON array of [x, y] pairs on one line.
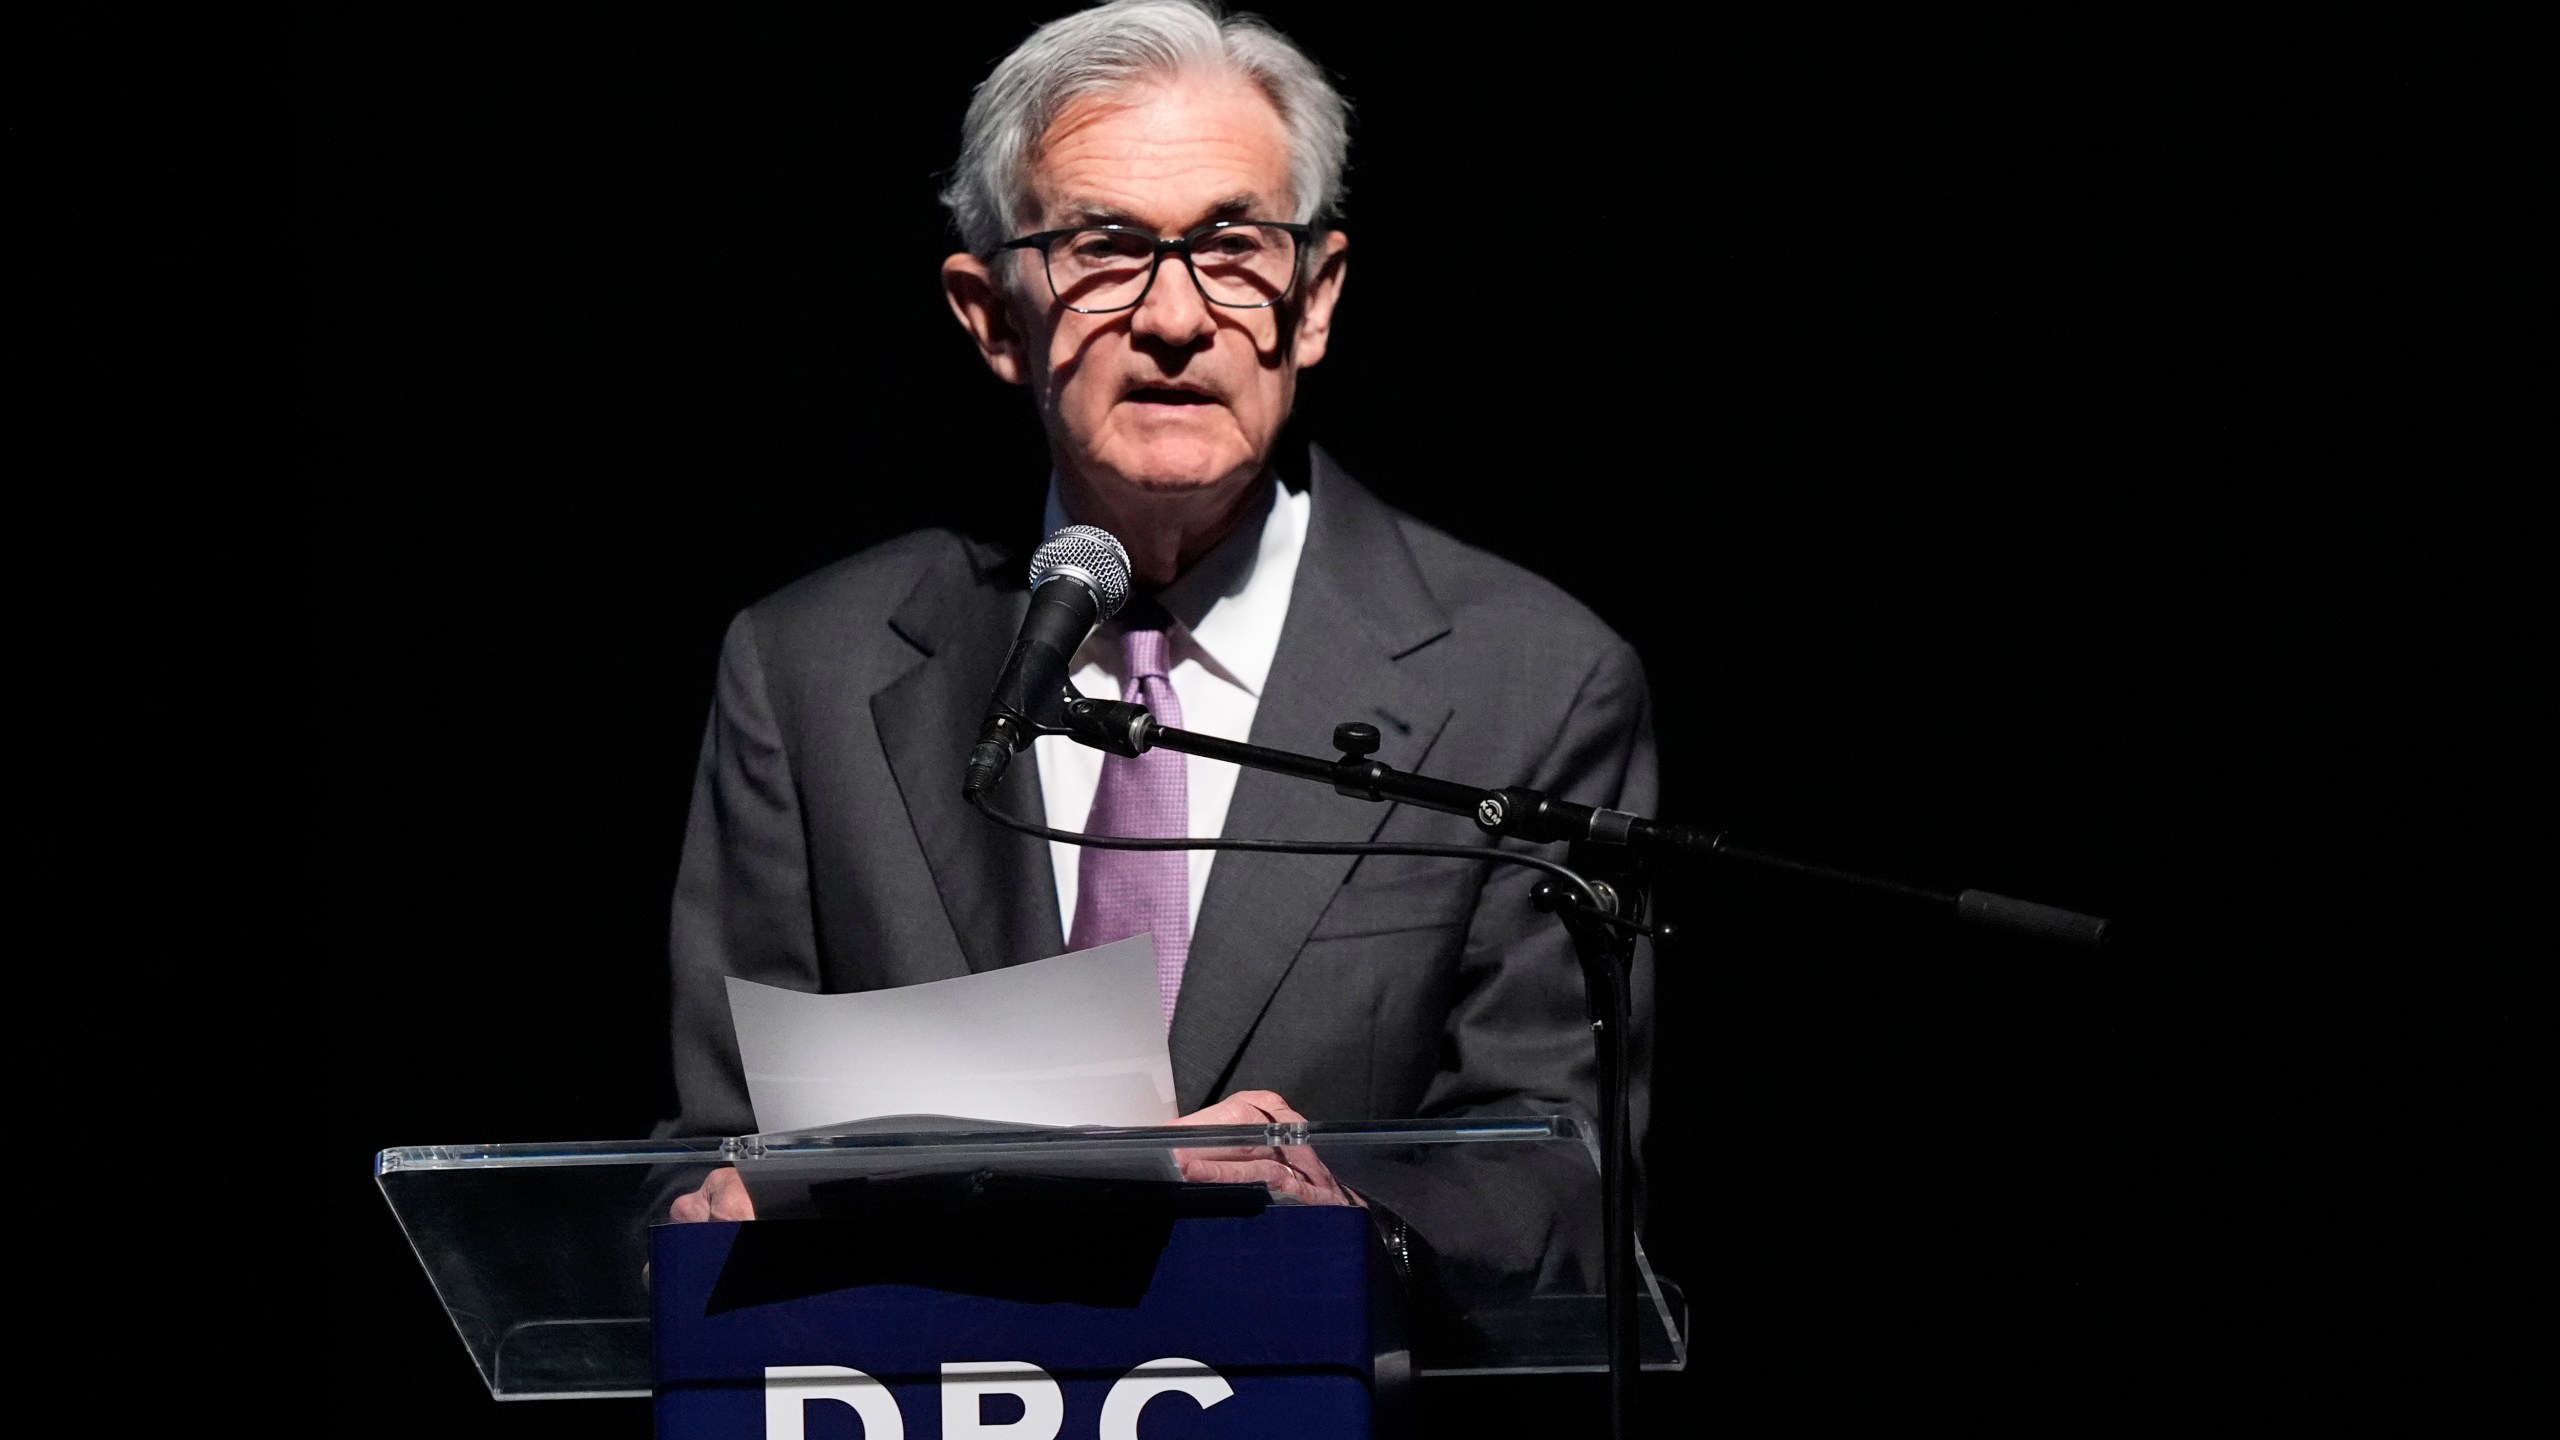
[[722, 1197], [1291, 1170]]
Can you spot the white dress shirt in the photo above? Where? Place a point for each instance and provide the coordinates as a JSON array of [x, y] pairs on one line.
[[1227, 612]]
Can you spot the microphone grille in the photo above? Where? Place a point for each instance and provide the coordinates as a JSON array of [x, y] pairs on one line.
[[1096, 554]]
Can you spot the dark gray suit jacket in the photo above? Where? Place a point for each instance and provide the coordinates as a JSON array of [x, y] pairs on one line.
[[829, 848]]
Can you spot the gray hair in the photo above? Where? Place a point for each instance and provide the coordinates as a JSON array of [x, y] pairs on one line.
[[1109, 48]]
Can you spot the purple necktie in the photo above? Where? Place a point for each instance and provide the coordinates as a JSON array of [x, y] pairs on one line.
[[1120, 893]]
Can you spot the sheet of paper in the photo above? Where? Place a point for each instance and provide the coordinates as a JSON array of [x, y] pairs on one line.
[[1073, 1040]]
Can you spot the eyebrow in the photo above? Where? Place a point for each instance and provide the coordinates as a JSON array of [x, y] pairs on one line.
[[1234, 207]]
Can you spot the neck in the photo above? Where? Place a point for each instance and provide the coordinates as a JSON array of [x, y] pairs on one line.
[[1165, 531]]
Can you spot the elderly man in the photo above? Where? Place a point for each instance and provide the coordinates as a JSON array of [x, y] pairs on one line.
[[1145, 192]]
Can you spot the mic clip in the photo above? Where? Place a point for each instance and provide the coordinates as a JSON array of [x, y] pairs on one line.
[[1115, 726], [1009, 733]]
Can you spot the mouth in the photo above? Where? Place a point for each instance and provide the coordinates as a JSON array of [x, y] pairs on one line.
[[1174, 394]]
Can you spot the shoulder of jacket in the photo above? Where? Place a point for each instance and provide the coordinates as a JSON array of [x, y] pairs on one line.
[[871, 581], [1482, 590], [827, 606]]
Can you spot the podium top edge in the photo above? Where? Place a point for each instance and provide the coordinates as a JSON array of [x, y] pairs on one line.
[[703, 1150]]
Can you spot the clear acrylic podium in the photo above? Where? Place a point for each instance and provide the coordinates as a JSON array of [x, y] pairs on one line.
[[540, 1253]]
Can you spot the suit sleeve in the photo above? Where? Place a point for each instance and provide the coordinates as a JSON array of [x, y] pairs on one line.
[[742, 904], [1517, 1042], [1517, 1031]]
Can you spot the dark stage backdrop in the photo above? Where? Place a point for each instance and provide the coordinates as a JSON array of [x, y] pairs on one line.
[[1939, 407]]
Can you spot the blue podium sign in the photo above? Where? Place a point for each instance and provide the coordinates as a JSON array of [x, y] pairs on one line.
[[1073, 1327]]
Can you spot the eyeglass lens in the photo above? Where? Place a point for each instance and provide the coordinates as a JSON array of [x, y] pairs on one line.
[[1247, 265]]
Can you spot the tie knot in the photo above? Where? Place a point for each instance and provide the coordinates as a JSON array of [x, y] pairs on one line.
[[1144, 650]]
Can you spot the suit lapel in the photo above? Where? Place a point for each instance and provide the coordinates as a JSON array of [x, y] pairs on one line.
[[1358, 607], [996, 886]]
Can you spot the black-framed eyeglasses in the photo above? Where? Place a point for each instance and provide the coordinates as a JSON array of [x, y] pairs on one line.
[[1098, 269]]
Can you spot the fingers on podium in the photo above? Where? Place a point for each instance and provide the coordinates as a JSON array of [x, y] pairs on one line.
[[722, 1197]]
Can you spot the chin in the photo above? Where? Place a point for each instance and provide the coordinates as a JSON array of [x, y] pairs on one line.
[[1180, 465]]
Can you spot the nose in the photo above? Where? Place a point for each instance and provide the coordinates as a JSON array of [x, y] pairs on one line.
[[1174, 312]]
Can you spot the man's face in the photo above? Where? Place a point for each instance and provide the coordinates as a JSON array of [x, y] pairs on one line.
[[1177, 399]]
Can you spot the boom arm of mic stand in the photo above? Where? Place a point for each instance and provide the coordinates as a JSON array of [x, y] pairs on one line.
[[1534, 815]]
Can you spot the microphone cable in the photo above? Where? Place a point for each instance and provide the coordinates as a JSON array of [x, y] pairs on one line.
[[1583, 896]]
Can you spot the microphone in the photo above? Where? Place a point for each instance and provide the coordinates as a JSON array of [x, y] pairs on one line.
[[1079, 578]]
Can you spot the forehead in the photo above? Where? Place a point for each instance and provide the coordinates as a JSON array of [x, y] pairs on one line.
[[1165, 154]]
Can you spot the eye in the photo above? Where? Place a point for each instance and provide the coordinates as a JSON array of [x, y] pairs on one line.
[[1106, 245]]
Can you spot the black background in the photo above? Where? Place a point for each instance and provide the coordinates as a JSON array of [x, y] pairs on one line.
[[1978, 426]]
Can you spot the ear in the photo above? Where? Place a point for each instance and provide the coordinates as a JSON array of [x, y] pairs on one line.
[[1324, 291], [983, 304]]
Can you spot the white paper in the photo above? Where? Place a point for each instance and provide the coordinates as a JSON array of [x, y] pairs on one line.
[[1078, 1039]]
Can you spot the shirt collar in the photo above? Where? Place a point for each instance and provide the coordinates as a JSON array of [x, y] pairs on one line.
[[1229, 607]]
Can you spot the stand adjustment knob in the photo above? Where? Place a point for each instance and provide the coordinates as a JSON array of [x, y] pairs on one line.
[[1355, 740]]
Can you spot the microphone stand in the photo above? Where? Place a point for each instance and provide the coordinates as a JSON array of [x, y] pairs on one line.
[[1603, 918]]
